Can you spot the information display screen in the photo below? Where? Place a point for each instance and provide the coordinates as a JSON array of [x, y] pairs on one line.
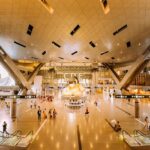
[[132, 96], [18, 96]]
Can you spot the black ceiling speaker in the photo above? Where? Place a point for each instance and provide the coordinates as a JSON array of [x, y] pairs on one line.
[[44, 52], [128, 44], [74, 53], [29, 30], [120, 29], [56, 44], [92, 44], [104, 52], [76, 28], [19, 44]]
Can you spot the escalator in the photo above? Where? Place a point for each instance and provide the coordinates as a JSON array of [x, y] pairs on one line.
[[143, 138], [137, 140], [6, 137], [17, 132], [25, 140], [16, 140]]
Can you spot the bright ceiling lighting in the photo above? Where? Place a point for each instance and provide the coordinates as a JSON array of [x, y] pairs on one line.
[[47, 6]]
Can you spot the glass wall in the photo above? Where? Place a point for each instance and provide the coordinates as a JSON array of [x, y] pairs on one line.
[[5, 77]]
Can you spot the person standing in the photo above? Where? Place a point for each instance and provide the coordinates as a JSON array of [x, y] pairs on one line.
[[146, 123], [54, 113], [50, 113], [95, 103], [35, 104], [31, 104], [44, 115], [86, 111], [39, 114]]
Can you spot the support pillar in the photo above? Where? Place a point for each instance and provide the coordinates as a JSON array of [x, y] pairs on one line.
[[13, 108], [135, 69], [93, 81], [137, 109]]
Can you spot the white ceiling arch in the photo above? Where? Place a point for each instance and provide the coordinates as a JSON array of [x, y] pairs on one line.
[[95, 26]]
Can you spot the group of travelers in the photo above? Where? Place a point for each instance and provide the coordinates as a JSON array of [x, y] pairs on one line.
[[46, 98], [52, 113], [33, 104], [115, 125]]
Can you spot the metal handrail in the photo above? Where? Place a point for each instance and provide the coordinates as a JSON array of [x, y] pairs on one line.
[[30, 132], [124, 131], [141, 133], [15, 134], [9, 135]]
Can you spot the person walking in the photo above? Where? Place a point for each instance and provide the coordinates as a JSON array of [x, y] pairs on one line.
[[5, 127]]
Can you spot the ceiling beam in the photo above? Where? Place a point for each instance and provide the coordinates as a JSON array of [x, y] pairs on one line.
[[135, 69], [113, 73], [35, 72], [15, 71], [133, 72], [7, 61]]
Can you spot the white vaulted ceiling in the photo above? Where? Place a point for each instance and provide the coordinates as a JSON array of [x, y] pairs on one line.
[[16, 15]]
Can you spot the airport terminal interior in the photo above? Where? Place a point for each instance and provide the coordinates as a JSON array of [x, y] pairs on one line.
[[74, 74]]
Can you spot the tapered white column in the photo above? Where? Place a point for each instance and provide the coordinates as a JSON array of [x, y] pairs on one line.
[[136, 68]]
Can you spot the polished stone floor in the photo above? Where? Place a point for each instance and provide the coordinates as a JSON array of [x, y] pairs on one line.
[[71, 129]]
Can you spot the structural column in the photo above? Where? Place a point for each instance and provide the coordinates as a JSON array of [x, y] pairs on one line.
[[13, 108], [93, 81], [96, 77], [137, 108]]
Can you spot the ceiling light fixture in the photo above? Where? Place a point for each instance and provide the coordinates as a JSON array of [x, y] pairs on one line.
[[118, 44], [105, 6], [47, 6], [139, 44]]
